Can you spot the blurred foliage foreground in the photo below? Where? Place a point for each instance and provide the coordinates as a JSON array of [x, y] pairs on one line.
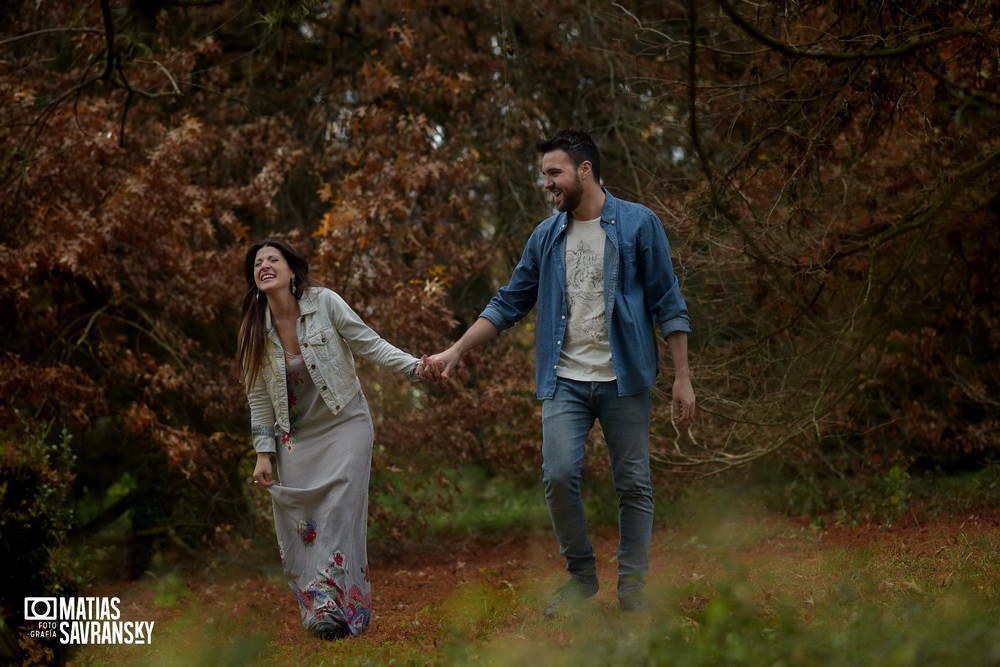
[[728, 587], [826, 171]]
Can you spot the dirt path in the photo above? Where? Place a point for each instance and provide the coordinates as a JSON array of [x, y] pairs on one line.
[[479, 592]]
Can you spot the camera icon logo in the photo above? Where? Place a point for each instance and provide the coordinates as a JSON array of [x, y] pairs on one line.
[[40, 609]]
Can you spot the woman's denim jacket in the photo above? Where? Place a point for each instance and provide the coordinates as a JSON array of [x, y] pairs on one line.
[[329, 332]]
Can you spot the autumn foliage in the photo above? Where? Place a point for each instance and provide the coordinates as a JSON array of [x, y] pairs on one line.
[[826, 171]]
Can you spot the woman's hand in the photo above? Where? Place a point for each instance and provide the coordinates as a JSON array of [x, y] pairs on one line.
[[438, 367], [262, 471]]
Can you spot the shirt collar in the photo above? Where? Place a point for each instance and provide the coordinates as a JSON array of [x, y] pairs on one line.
[[607, 213], [307, 304], [610, 206]]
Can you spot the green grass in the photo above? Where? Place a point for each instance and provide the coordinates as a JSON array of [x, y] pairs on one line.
[[735, 588], [733, 583], [767, 594], [488, 505], [885, 498], [734, 628], [475, 503]]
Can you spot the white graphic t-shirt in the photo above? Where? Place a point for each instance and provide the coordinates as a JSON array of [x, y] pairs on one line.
[[585, 352]]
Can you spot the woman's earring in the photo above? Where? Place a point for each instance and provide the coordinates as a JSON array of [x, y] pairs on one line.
[[259, 295], [291, 285]]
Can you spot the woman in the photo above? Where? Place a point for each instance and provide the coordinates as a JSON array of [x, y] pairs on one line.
[[309, 416]]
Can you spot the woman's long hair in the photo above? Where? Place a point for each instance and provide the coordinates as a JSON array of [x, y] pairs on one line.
[[252, 343]]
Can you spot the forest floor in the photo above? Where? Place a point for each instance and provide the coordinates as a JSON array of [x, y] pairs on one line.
[[728, 591]]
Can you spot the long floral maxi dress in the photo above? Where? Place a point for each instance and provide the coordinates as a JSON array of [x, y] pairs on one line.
[[321, 504]]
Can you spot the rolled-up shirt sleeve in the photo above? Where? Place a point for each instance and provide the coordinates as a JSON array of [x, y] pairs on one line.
[[662, 290], [516, 299], [261, 417]]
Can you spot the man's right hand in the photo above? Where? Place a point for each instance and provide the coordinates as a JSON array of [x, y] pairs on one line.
[[439, 366]]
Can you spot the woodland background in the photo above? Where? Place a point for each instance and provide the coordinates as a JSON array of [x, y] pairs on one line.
[[826, 171]]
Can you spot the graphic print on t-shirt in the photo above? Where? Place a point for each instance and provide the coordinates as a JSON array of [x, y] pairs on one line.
[[586, 351], [585, 295]]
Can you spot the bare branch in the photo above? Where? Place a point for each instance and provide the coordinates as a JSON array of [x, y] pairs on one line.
[[964, 90], [46, 31], [755, 250], [166, 73], [916, 220], [670, 40], [109, 32], [843, 56]]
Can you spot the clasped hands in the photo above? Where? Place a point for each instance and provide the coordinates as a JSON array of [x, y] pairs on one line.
[[437, 367]]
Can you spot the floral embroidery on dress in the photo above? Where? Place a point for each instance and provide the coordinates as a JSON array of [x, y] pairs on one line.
[[305, 599], [288, 439], [321, 601], [336, 569], [326, 596], [307, 531], [357, 609], [292, 378]]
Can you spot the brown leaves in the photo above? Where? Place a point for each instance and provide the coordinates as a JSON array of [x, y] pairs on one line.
[[138, 418], [49, 391]]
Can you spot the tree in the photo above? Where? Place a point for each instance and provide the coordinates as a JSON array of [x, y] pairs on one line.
[[839, 151]]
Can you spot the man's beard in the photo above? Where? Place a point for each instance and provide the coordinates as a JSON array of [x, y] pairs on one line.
[[571, 198]]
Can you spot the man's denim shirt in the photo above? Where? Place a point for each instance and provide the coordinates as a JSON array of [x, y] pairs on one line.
[[640, 290]]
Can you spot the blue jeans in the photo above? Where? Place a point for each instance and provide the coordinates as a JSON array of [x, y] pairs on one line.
[[566, 420]]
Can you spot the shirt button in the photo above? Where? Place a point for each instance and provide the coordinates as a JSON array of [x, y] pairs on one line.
[[336, 407], [302, 319], [305, 344], [558, 342], [564, 317], [313, 366], [322, 388]]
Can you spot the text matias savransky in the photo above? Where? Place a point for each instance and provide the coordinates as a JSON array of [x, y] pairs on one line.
[[84, 620]]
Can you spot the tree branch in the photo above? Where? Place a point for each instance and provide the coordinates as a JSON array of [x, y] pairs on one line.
[[915, 220], [109, 37], [45, 31], [755, 250], [107, 516], [842, 56]]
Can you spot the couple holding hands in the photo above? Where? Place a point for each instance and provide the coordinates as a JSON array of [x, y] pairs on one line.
[[599, 271]]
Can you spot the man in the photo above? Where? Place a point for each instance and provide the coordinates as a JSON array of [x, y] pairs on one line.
[[601, 274]]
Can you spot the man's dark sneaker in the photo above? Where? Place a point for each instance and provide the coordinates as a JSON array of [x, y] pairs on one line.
[[633, 601], [569, 594]]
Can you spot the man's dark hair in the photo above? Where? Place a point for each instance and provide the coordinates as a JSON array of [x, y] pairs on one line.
[[578, 145]]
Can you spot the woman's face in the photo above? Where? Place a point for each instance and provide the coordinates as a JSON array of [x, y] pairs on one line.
[[270, 270]]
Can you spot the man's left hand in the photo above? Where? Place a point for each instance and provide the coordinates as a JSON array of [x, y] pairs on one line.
[[682, 408]]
